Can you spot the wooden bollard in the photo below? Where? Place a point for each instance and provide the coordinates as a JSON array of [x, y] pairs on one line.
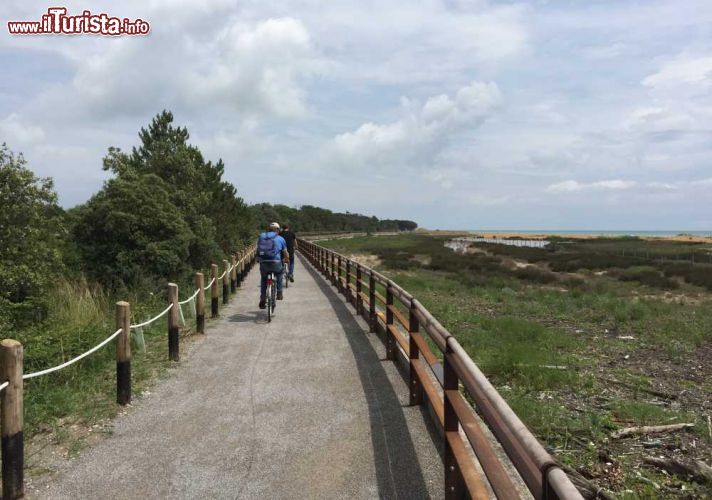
[[225, 286], [233, 274], [123, 353], [11, 417], [214, 291], [200, 303], [173, 317]]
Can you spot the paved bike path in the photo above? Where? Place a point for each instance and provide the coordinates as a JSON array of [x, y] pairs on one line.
[[303, 407]]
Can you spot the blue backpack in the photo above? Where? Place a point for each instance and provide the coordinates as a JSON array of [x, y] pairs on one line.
[[266, 248]]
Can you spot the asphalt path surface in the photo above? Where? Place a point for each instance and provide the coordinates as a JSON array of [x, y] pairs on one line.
[[303, 407]]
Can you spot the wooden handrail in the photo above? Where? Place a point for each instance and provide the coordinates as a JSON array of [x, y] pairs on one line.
[[540, 472]]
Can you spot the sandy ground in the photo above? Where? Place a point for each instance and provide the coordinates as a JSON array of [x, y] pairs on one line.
[[581, 236]]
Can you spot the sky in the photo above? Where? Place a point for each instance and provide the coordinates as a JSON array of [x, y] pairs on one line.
[[458, 114]]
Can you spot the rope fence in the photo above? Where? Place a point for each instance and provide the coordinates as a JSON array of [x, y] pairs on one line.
[[11, 359], [155, 318], [190, 298], [74, 360]]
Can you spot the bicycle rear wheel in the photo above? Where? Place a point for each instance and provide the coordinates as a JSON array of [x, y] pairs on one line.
[[274, 297], [269, 303]]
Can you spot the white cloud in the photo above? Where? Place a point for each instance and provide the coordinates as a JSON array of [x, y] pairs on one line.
[[680, 95], [683, 70], [253, 68], [420, 133], [574, 186], [17, 133]]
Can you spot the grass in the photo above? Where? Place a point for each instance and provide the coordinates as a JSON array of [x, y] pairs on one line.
[[79, 317], [552, 335]]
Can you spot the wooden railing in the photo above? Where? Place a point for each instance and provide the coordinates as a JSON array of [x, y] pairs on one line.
[[409, 331]]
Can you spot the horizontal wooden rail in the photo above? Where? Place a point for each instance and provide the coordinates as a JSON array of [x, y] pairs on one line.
[[439, 387]]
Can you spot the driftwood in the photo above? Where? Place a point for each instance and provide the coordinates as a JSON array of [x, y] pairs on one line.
[[652, 429], [588, 489], [697, 471]]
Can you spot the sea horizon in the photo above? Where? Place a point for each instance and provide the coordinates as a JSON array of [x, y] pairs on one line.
[[599, 232]]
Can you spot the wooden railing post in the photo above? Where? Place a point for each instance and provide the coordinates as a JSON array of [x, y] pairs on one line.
[[200, 303], [390, 341], [214, 291], [173, 319], [123, 353], [338, 275], [241, 268], [347, 290], [11, 420], [332, 272], [225, 286], [330, 267], [371, 302], [454, 484], [416, 389], [233, 274], [359, 300]]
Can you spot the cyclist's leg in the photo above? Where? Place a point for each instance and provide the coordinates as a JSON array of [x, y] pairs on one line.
[[278, 273], [264, 271], [291, 263]]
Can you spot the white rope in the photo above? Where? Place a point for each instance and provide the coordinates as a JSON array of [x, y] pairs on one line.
[[3, 385], [72, 361], [146, 323], [189, 298], [223, 274], [209, 284], [180, 311]]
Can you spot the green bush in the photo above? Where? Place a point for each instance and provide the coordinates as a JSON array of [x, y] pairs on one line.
[[31, 234], [647, 275]]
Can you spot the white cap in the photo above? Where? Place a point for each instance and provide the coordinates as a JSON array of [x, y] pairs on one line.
[[274, 225]]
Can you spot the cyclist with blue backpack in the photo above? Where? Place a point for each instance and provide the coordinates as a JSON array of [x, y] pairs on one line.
[[271, 252]]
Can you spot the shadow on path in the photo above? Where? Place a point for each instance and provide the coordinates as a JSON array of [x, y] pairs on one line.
[[258, 317], [397, 467]]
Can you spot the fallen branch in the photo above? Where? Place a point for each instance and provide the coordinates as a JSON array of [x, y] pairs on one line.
[[652, 392], [697, 471], [651, 429], [588, 489]]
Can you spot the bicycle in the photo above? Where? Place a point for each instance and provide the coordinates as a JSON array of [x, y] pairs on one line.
[[271, 296]]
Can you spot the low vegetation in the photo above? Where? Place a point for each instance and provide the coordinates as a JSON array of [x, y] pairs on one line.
[[580, 342]]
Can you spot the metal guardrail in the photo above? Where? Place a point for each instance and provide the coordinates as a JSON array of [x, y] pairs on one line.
[[436, 379]]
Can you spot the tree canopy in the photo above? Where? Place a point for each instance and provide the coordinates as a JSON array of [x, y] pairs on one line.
[[31, 229]]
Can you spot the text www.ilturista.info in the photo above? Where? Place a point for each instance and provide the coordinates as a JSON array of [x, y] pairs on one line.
[[57, 22]]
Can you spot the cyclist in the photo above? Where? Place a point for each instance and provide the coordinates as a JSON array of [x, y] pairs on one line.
[[271, 252], [290, 238]]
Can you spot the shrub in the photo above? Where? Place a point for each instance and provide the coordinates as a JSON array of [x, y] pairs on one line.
[[646, 275]]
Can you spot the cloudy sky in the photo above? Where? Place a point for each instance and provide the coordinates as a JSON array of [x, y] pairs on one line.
[[560, 114]]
